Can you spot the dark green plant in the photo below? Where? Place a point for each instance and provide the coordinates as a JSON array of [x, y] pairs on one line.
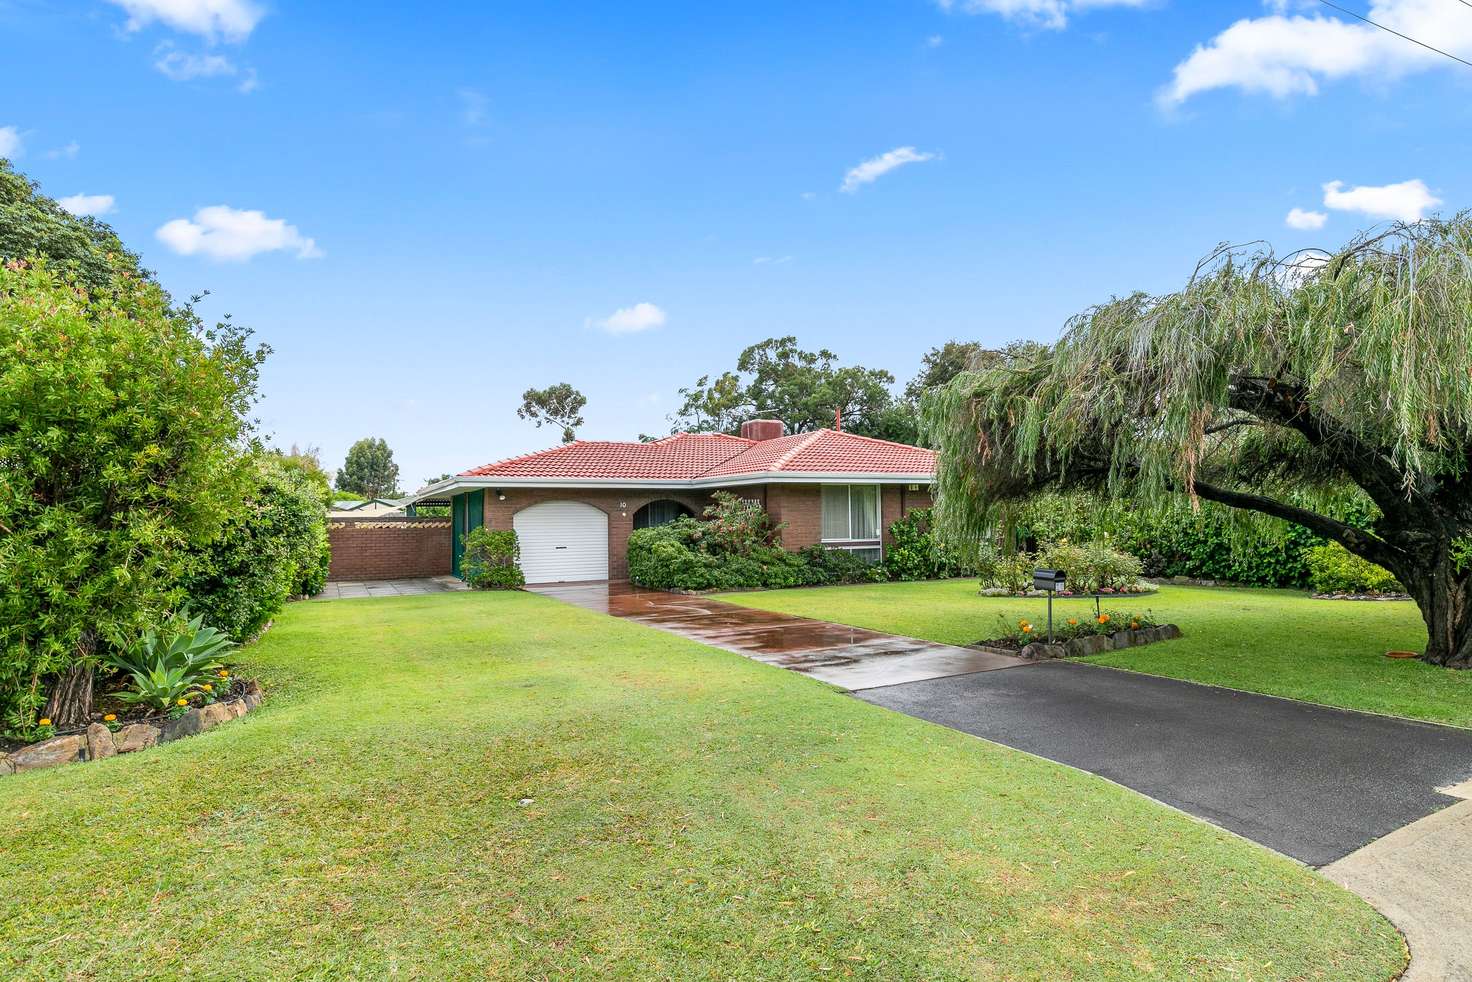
[[736, 526], [81, 250], [916, 553], [492, 559], [369, 470], [122, 420], [274, 548]]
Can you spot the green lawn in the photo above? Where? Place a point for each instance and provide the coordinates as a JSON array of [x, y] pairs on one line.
[[1275, 641], [692, 814]]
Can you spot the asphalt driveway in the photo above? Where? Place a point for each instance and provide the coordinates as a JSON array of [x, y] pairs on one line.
[[1309, 781]]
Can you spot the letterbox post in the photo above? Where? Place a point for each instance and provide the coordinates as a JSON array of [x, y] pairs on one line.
[[1050, 581]]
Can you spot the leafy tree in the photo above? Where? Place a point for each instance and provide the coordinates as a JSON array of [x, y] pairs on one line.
[[1271, 386], [777, 379], [939, 365], [556, 405], [83, 250], [369, 470], [308, 463], [121, 425]]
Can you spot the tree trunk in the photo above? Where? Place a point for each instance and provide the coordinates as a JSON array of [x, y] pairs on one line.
[[70, 703], [1446, 607]]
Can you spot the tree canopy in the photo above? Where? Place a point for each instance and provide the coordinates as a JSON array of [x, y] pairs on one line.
[[779, 380], [369, 470], [1267, 384], [32, 225], [556, 405]]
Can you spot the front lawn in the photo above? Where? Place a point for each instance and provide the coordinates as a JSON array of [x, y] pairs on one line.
[[501, 786], [1276, 641]]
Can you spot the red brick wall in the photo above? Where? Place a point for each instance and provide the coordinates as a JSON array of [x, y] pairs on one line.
[[499, 514], [801, 507], [384, 549]]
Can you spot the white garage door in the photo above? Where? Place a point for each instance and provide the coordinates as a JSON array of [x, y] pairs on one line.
[[562, 541]]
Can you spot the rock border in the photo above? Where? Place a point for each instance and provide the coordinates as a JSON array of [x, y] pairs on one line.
[[1097, 644], [98, 742]]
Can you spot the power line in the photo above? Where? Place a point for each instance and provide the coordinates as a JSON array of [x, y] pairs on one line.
[[1403, 37]]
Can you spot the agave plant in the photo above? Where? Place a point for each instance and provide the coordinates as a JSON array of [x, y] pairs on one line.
[[163, 668]]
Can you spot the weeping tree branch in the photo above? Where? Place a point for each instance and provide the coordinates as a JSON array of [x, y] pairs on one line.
[[1357, 541]]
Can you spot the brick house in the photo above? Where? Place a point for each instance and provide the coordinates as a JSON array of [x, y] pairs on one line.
[[574, 506]]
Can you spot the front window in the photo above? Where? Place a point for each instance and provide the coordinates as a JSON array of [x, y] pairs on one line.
[[658, 513], [850, 512]]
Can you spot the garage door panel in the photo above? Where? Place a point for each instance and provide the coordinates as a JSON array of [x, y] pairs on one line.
[[562, 542]]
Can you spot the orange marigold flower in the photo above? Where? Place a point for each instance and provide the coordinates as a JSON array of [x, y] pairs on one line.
[[1073, 621], [44, 721], [109, 717], [1103, 618], [1027, 629]]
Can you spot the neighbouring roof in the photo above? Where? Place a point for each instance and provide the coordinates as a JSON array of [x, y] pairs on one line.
[[705, 456]]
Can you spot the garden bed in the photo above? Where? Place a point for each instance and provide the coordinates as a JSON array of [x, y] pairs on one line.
[[109, 733], [1361, 596], [1092, 644], [1143, 588]]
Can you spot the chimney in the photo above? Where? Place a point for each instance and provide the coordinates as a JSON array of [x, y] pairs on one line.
[[762, 429]]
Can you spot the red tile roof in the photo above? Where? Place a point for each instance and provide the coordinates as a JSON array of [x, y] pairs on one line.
[[691, 456]]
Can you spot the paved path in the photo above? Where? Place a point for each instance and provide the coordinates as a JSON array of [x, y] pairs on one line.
[[1421, 878], [1309, 781], [849, 657], [349, 589]]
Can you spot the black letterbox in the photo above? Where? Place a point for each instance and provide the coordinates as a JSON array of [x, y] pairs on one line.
[[1048, 580]]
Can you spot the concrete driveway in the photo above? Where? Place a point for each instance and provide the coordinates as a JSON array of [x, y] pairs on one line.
[[1309, 781]]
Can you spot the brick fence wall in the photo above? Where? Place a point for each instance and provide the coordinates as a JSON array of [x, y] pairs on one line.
[[388, 549]]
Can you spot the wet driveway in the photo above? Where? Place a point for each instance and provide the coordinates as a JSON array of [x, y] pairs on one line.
[[849, 657]]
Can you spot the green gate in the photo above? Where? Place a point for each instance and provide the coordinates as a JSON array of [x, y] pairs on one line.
[[467, 513]]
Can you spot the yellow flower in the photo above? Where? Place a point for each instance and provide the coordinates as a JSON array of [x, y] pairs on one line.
[[44, 721], [207, 687], [109, 717], [224, 674], [1134, 625], [183, 702]]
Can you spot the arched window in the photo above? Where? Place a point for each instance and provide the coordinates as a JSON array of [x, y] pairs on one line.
[[660, 512]]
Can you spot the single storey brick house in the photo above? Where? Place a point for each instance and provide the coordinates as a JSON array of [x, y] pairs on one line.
[[574, 506]]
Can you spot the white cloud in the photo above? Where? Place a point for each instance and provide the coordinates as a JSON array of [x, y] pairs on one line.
[[87, 204], [10, 141], [631, 320], [249, 83], [232, 20], [1050, 14], [182, 66], [1284, 56], [222, 232], [773, 260], [69, 151], [1305, 220], [934, 41], [874, 168], [1408, 201]]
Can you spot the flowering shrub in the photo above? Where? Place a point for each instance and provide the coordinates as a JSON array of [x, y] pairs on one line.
[[1096, 567]]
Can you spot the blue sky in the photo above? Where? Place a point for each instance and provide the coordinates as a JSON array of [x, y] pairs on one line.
[[457, 200]]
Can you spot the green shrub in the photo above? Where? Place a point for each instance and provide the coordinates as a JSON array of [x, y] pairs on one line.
[[274, 549], [1334, 569], [736, 526], [121, 423], [834, 566], [1011, 573], [915, 553], [492, 559]]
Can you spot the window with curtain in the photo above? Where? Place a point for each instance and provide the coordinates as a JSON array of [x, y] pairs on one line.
[[850, 512], [658, 513]]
